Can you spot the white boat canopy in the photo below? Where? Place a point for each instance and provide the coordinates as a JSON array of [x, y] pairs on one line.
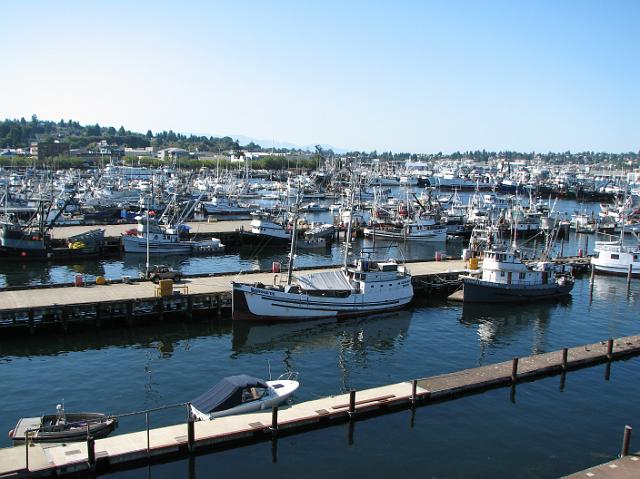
[[325, 281]]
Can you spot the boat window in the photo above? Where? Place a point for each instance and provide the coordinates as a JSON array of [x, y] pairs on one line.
[[502, 274], [251, 394], [615, 256], [523, 275]]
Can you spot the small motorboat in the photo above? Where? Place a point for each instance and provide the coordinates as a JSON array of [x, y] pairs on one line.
[[63, 426], [242, 394]]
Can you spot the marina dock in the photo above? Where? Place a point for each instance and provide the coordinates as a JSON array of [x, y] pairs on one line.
[[25, 310], [177, 441]]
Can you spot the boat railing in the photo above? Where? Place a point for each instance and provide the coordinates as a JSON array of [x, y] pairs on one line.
[[289, 376]]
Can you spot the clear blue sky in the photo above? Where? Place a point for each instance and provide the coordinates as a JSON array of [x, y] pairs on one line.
[[420, 76]]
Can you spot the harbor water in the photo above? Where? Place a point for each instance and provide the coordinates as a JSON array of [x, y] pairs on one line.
[[546, 429]]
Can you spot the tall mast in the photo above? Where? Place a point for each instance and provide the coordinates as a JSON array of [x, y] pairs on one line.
[[294, 236], [348, 238]]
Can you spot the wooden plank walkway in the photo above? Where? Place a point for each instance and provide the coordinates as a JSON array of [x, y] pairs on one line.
[[131, 449], [145, 290]]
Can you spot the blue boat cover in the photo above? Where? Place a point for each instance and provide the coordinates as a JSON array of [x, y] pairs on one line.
[[226, 394]]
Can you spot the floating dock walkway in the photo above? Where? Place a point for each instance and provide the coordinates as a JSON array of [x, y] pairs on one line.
[[162, 444], [25, 310]]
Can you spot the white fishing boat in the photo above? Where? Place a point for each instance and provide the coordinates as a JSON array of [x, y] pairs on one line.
[[267, 228], [242, 394], [416, 230], [368, 287], [152, 238]]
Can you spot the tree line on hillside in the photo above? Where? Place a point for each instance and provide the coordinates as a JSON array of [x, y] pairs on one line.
[[16, 133]]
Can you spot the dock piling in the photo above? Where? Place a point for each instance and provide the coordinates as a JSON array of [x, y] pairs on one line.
[[414, 388], [352, 403], [629, 273], [91, 452], [26, 450], [274, 420], [609, 349], [514, 370], [191, 432], [626, 439], [565, 353], [146, 417]]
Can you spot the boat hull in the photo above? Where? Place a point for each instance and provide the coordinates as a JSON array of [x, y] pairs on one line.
[[479, 291], [252, 303], [134, 244]]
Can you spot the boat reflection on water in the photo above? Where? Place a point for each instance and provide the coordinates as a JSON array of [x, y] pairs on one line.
[[497, 325], [378, 332]]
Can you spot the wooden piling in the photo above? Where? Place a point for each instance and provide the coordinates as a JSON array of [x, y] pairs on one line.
[[609, 349], [565, 353], [514, 370], [352, 402], [98, 315], [189, 307], [629, 273], [191, 432], [32, 328], [91, 453], [626, 439], [146, 417], [414, 388], [219, 305], [274, 420]]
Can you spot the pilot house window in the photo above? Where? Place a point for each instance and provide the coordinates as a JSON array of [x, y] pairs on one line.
[[615, 256]]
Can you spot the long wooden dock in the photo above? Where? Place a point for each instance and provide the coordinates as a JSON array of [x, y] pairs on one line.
[[162, 444], [25, 310]]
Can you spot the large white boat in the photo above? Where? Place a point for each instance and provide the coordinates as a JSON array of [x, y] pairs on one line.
[[506, 278], [612, 257], [241, 394], [267, 228], [151, 237], [368, 287]]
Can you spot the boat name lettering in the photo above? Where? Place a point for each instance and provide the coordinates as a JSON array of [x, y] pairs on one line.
[[262, 291]]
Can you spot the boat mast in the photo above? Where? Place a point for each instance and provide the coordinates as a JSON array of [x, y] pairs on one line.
[[347, 243], [294, 235], [147, 238]]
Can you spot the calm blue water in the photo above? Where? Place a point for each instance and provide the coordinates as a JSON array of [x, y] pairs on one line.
[[546, 432]]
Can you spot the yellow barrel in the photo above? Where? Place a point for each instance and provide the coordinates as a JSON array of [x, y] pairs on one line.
[[166, 287], [100, 280], [473, 263]]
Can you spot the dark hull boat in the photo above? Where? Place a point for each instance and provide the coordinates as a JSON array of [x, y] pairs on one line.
[[63, 427], [478, 291]]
